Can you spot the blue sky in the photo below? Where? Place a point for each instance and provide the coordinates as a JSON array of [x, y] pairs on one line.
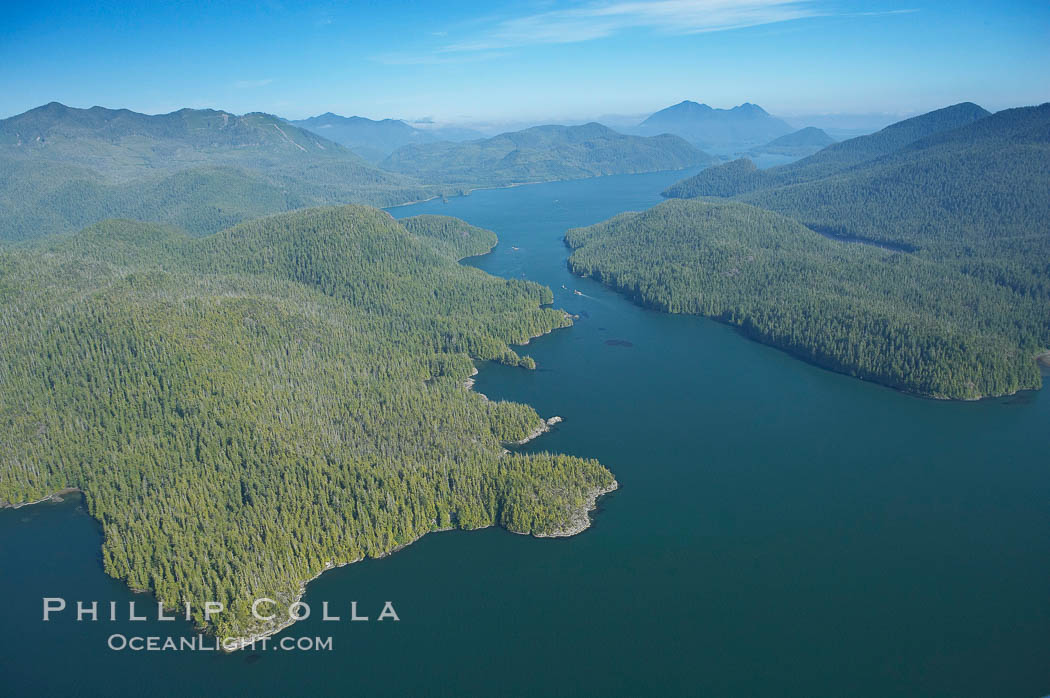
[[522, 61]]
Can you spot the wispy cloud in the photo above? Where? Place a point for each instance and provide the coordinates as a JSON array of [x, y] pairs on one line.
[[246, 84], [880, 13], [600, 20], [440, 58]]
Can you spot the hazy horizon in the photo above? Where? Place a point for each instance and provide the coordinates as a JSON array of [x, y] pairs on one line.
[[842, 121], [477, 64]]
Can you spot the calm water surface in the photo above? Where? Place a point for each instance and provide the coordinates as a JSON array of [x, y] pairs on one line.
[[780, 531]]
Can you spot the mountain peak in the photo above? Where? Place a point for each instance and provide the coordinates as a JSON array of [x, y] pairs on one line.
[[750, 109], [746, 124]]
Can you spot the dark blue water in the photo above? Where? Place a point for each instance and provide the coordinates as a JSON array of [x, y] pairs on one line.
[[780, 531]]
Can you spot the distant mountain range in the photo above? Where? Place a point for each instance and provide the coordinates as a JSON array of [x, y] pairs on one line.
[[958, 185], [707, 127], [204, 170], [800, 143], [544, 153], [739, 177], [374, 140]]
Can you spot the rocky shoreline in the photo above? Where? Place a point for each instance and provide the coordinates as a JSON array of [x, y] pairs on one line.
[[543, 428], [581, 519], [469, 383], [578, 523], [53, 497]]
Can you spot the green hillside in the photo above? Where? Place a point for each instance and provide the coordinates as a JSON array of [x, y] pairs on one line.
[[803, 142], [459, 238], [372, 140], [247, 409], [62, 169], [543, 153], [902, 320]]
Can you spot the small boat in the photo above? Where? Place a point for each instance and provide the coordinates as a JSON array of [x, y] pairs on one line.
[[577, 292], [514, 248]]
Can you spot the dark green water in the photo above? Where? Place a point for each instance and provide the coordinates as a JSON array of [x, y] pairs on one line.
[[779, 531]]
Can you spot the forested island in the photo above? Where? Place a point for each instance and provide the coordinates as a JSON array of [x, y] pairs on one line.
[[916, 257], [247, 409]]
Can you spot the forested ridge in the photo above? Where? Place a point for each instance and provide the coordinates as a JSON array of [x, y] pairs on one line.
[[903, 320], [374, 140], [543, 153], [203, 170], [245, 409], [805, 141]]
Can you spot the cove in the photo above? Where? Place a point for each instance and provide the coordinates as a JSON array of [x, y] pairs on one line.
[[779, 530]]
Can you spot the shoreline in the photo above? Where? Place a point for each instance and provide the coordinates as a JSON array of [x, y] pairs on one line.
[[53, 497], [577, 523], [1042, 360], [581, 520], [494, 187], [468, 192], [544, 426]]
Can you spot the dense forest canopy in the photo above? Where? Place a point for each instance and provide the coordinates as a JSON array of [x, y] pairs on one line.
[[900, 319], [543, 153], [246, 409]]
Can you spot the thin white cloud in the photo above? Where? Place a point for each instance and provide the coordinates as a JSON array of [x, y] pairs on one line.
[[247, 84], [880, 13], [600, 20], [434, 59]]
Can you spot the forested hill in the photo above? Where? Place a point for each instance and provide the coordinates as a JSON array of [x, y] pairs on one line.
[[978, 193], [63, 168], [743, 125], [543, 153], [913, 322], [726, 181], [809, 136], [805, 141], [122, 142], [247, 409], [458, 238], [372, 140], [375, 139]]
